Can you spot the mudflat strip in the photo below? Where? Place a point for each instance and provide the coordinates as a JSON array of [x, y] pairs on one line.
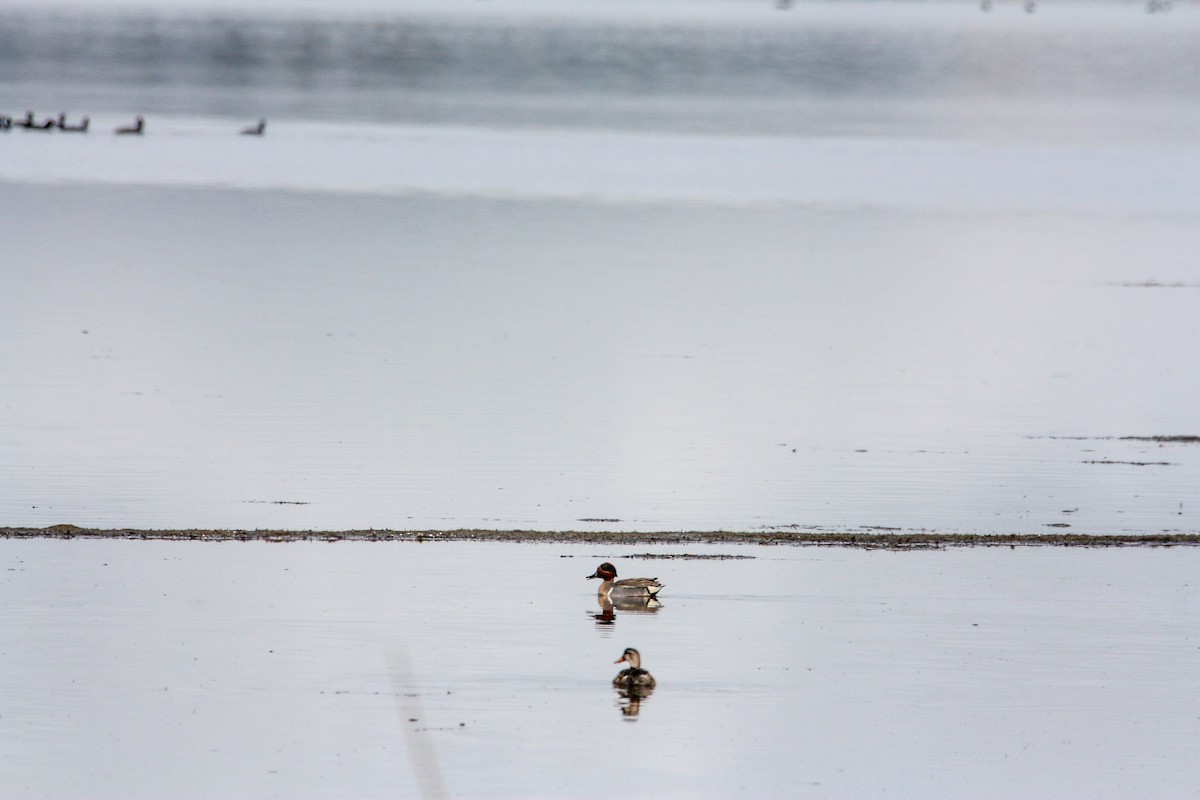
[[870, 540]]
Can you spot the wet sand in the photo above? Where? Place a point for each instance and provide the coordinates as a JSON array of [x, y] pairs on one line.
[[868, 540]]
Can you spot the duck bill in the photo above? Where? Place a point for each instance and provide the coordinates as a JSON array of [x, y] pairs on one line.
[[595, 574]]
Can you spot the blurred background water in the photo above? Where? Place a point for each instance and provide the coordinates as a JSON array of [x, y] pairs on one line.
[[716, 66], [643, 264]]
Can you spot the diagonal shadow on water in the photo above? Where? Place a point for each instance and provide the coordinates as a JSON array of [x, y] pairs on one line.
[[418, 744]]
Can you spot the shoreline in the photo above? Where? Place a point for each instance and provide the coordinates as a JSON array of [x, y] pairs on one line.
[[865, 540]]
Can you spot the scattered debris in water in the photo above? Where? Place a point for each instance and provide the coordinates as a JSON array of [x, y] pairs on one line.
[[686, 556], [1157, 285], [1170, 439]]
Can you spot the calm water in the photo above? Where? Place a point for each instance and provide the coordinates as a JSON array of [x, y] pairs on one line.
[[144, 669], [718, 66], [660, 265], [631, 264]]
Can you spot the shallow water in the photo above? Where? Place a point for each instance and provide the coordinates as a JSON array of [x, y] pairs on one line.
[[144, 669], [1074, 70], [642, 265], [859, 264], [209, 358]]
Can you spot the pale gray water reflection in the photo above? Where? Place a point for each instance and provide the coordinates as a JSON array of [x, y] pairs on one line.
[[209, 358], [149, 669]]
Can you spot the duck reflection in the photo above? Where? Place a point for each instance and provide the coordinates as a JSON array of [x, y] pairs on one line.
[[609, 606], [630, 702], [633, 684]]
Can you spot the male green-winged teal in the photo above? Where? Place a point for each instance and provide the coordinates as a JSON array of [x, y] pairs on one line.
[[626, 588]]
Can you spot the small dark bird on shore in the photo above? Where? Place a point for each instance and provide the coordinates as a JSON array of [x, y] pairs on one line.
[[257, 130]]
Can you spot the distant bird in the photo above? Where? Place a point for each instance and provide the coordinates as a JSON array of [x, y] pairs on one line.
[[80, 128], [633, 678], [644, 588], [30, 124], [257, 130], [5, 123], [138, 127]]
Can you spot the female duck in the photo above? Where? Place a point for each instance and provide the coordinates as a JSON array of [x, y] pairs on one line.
[[630, 588], [633, 677]]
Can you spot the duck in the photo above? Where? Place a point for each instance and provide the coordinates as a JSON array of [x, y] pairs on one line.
[[30, 124], [139, 125], [627, 588], [256, 130], [633, 677], [80, 128]]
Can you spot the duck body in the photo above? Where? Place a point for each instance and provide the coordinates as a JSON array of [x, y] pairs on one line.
[[633, 678], [139, 125], [82, 127], [626, 588]]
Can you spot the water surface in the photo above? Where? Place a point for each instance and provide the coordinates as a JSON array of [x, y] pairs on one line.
[[144, 669], [855, 264], [279, 360]]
